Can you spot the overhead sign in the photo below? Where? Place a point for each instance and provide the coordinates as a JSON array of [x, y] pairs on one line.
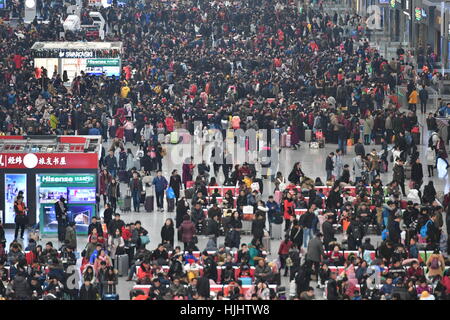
[[103, 63], [76, 54], [51, 180], [48, 161]]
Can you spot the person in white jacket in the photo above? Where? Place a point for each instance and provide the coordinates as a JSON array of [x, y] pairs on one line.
[[431, 161]]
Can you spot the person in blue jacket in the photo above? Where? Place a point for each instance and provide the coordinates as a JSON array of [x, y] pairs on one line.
[[160, 184], [444, 111], [274, 213]]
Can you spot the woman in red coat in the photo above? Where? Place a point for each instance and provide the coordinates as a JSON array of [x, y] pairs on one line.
[[104, 180], [170, 123], [187, 230], [288, 206]]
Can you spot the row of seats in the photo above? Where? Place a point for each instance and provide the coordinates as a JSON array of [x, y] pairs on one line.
[[213, 288], [325, 190]]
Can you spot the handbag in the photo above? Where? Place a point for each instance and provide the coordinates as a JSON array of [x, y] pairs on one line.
[[170, 194], [144, 240]]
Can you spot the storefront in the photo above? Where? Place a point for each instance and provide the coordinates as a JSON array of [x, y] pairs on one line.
[[96, 58], [46, 168]]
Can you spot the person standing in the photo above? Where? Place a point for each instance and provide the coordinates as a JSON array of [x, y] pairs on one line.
[[417, 173], [61, 217], [423, 97], [175, 184], [399, 175], [431, 124], [113, 191], [20, 220], [168, 233], [412, 100], [187, 230], [110, 162], [160, 184], [431, 161], [329, 166], [136, 189]]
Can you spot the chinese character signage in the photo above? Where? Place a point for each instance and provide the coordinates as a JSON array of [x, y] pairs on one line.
[[49, 161]]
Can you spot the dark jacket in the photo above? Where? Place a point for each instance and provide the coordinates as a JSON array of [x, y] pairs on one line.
[[212, 228], [417, 172], [398, 173], [332, 291], [315, 250], [114, 225], [258, 228], [167, 234], [97, 226], [187, 230], [329, 164], [359, 149], [328, 232]]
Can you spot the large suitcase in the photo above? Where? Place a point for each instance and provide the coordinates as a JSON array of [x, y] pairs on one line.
[[283, 140], [266, 244], [170, 205], [308, 135], [122, 265], [126, 204], [277, 231], [174, 139], [149, 203], [288, 141]]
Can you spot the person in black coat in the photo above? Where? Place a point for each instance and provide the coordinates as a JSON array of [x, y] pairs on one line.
[[213, 227], [88, 291], [168, 232], [296, 234], [203, 287], [417, 173], [328, 232], [61, 217], [394, 230], [175, 184], [258, 225], [182, 208], [332, 289], [329, 165], [95, 225]]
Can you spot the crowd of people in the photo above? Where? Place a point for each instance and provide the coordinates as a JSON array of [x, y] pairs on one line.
[[235, 65]]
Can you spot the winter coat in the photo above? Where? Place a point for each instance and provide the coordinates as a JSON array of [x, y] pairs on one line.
[[315, 250], [71, 236], [431, 157], [113, 244], [187, 230]]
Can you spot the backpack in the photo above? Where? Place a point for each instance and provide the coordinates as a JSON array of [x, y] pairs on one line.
[[424, 229], [435, 263], [384, 234]]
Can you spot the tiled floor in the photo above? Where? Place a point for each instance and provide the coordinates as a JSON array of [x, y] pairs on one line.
[[313, 164]]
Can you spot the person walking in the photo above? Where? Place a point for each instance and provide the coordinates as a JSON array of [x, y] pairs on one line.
[[160, 184], [136, 189], [423, 97]]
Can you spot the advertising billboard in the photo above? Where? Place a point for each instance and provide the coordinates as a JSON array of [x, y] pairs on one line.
[[13, 184]]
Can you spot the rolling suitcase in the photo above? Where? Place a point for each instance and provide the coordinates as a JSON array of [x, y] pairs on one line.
[[170, 205], [277, 231], [149, 203], [283, 140], [308, 135], [122, 265], [288, 141], [126, 203]]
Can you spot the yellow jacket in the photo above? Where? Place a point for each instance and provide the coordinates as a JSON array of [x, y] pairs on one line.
[[413, 97]]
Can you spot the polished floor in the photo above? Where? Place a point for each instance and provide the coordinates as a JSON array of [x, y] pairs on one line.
[[313, 164]]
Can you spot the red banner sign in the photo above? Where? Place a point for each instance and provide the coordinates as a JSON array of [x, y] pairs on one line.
[[48, 160]]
